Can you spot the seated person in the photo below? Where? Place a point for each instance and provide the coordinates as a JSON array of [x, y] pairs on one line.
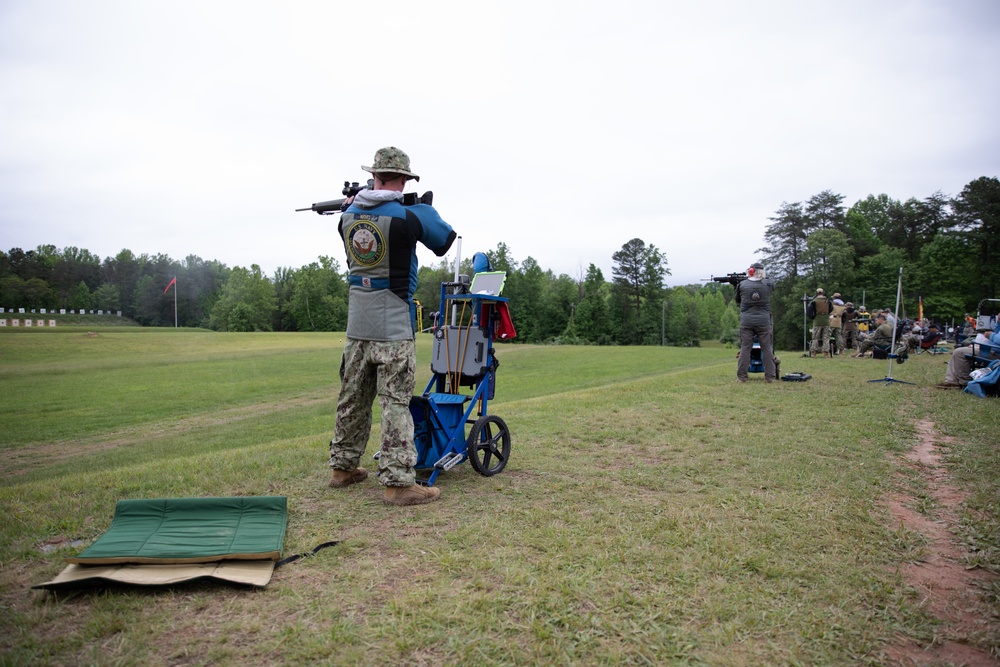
[[959, 371], [931, 338], [917, 340], [910, 340], [882, 338]]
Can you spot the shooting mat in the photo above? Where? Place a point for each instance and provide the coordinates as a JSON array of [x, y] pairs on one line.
[[167, 540]]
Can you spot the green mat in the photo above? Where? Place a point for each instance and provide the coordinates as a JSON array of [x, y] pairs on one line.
[[191, 530]]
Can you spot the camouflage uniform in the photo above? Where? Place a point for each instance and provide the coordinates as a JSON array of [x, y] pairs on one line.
[[838, 308], [385, 368], [819, 311], [851, 339], [380, 236]]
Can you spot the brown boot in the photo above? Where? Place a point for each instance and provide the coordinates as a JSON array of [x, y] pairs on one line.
[[341, 478], [411, 495]]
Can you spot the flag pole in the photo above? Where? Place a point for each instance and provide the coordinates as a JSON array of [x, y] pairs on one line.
[[175, 302]]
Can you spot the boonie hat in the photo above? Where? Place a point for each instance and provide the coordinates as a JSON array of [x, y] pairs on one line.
[[819, 290], [836, 295], [391, 160]]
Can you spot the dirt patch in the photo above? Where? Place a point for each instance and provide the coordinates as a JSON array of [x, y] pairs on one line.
[[949, 590]]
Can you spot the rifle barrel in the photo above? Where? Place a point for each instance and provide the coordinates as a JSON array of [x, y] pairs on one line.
[[324, 207]]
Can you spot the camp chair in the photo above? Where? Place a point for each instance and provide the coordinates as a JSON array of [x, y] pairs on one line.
[[880, 351], [931, 345], [983, 355]]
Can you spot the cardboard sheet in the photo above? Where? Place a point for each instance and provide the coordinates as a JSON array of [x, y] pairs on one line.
[[247, 572]]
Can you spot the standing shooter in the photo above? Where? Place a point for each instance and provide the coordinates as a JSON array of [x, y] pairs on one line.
[[753, 296], [380, 236]]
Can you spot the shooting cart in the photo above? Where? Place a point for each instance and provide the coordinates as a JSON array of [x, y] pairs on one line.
[[463, 382]]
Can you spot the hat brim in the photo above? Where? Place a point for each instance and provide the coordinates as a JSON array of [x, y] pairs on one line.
[[391, 171]]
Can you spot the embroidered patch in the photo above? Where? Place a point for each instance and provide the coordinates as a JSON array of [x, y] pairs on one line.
[[756, 296], [365, 242]]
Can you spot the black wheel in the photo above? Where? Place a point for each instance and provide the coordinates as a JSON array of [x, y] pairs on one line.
[[489, 445]]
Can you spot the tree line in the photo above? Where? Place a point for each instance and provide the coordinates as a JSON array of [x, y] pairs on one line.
[[947, 248]]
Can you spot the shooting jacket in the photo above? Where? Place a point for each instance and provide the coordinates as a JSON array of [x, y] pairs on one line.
[[754, 299], [380, 238]]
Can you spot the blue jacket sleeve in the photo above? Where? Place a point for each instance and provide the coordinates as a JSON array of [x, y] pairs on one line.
[[437, 234]]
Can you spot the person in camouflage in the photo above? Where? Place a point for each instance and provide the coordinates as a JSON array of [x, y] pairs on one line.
[[881, 337], [850, 327], [818, 311], [380, 235], [837, 309]]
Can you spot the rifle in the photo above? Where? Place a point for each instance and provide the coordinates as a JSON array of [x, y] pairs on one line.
[[352, 189], [733, 279]]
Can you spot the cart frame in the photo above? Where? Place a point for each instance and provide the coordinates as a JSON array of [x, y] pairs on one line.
[[463, 356]]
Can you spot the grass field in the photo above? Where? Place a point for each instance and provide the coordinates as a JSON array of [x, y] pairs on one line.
[[653, 511]]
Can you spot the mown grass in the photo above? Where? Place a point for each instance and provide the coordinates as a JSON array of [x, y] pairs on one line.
[[653, 511]]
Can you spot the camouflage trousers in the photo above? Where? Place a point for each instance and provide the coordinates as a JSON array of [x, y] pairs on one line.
[[851, 338], [820, 340], [837, 338], [385, 369]]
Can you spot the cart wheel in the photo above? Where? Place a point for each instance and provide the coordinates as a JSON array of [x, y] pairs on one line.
[[489, 445]]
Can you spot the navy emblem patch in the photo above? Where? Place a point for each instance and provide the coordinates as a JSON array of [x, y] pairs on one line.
[[365, 243]]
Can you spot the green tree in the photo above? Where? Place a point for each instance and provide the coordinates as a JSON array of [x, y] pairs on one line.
[[37, 293], [591, 315], [198, 286], [682, 325], [82, 297], [946, 276], [785, 240], [864, 221], [319, 299], [878, 277], [11, 292], [826, 211], [122, 271], [245, 303], [106, 297], [559, 300], [638, 274], [830, 259], [150, 305], [729, 324], [711, 309], [429, 279], [977, 210]]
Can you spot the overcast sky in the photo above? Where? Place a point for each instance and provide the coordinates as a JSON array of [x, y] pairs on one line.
[[562, 129]]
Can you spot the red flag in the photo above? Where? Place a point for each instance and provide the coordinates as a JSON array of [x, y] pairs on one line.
[[173, 281]]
